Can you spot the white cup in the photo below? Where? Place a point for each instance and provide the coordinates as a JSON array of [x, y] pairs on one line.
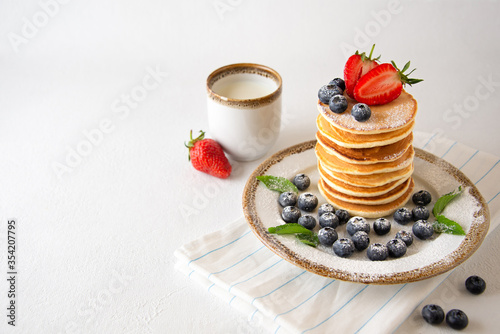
[[244, 109]]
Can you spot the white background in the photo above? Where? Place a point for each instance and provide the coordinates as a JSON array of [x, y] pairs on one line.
[[96, 237]]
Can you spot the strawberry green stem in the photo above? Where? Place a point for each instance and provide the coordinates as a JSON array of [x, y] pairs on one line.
[[191, 142]]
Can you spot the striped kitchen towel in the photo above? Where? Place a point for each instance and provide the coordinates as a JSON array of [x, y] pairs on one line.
[[235, 266]]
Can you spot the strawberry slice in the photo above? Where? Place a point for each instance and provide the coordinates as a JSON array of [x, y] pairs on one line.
[[383, 84], [356, 66]]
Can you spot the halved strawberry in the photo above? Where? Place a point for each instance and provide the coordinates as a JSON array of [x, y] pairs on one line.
[[356, 66], [382, 84]]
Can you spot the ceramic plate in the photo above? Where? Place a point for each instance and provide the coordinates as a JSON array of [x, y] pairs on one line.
[[424, 258]]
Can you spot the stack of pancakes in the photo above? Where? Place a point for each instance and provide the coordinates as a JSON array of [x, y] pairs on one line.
[[366, 167]]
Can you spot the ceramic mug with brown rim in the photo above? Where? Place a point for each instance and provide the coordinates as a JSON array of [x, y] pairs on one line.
[[244, 109]]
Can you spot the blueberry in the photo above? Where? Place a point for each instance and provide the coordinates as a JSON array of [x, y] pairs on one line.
[[343, 216], [324, 208], [361, 112], [343, 247], [290, 214], [433, 314], [338, 104], [405, 236], [287, 198], [377, 252], [338, 82], [423, 229], [420, 213], [361, 240], [307, 202], [457, 319], [356, 224], [381, 226], [396, 247], [301, 181], [422, 197], [328, 219], [325, 93], [307, 221], [327, 236], [403, 216], [475, 284]]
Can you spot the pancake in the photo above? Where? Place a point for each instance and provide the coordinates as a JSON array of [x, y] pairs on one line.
[[355, 140], [367, 211], [384, 118], [388, 197], [370, 155], [370, 180], [335, 164], [351, 190]]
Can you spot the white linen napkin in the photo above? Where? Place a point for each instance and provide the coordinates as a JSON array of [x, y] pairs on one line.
[[235, 266]]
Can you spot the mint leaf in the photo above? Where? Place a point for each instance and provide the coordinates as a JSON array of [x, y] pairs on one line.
[[308, 239], [278, 183], [291, 228], [445, 225], [444, 200]]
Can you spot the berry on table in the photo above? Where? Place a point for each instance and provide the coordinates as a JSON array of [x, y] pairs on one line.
[[420, 212], [328, 219], [377, 252], [307, 202], [338, 104], [324, 208], [343, 216], [423, 229], [327, 236], [343, 247], [287, 198], [381, 226], [207, 156], [301, 181], [361, 112], [475, 284], [361, 240], [405, 236], [396, 247], [326, 92], [433, 314], [403, 216], [290, 214], [356, 224], [457, 319], [422, 197], [338, 82], [307, 221]]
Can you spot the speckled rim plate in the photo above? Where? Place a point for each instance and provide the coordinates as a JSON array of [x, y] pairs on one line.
[[435, 257]]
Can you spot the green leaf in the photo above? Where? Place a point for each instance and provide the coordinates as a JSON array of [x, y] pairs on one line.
[[291, 228], [278, 183], [445, 225], [444, 200], [308, 239]]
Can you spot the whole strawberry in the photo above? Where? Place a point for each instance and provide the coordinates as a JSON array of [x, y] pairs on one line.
[[207, 156]]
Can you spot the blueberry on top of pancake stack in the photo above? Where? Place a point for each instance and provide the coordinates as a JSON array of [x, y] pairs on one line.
[[364, 138]]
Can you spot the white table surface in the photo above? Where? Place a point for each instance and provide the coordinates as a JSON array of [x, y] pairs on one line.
[[97, 228]]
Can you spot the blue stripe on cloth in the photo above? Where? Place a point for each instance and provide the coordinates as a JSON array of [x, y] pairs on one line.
[[487, 172], [448, 150], [334, 313], [219, 248], [263, 270], [282, 285], [432, 137], [238, 262], [498, 193], [472, 156], [380, 309], [290, 310]]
